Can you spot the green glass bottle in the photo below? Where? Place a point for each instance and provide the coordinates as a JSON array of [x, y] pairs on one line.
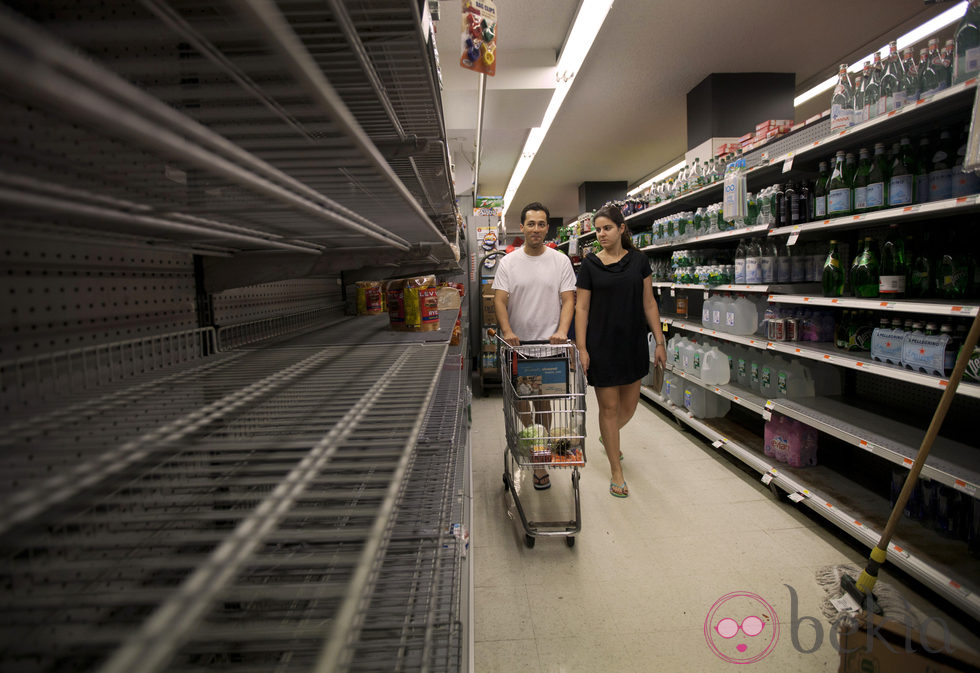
[[920, 281], [893, 268], [820, 193], [876, 191], [864, 276], [839, 189], [841, 330], [901, 185], [861, 181], [833, 273]]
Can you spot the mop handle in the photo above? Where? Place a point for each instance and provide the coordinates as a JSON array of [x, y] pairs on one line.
[[937, 420]]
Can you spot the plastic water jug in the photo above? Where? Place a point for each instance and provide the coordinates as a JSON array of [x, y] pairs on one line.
[[697, 360], [673, 350], [746, 317], [706, 313], [687, 356], [717, 314], [728, 311], [677, 390], [794, 380], [769, 375], [704, 404], [715, 369], [757, 361]]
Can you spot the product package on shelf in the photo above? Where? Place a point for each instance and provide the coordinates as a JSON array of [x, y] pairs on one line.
[[790, 441], [370, 298], [413, 304]]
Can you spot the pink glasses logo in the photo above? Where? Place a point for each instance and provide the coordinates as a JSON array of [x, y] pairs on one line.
[[741, 628]]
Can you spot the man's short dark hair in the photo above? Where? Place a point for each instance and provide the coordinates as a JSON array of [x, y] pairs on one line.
[[534, 206]]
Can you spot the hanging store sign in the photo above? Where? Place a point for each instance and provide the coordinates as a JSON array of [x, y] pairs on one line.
[[478, 41], [488, 206]]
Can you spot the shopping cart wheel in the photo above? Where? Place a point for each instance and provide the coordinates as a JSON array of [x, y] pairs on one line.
[[529, 541], [570, 541]]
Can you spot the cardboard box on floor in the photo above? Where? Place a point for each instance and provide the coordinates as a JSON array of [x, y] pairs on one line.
[[894, 649]]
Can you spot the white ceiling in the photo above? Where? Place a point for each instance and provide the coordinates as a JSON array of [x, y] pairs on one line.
[[625, 117]]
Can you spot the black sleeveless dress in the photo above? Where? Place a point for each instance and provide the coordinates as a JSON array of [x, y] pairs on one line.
[[616, 337]]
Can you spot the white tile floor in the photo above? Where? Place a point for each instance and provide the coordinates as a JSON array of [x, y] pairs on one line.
[[633, 593]]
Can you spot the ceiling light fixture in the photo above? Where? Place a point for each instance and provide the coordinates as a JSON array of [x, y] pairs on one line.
[[931, 26], [658, 177], [589, 19]]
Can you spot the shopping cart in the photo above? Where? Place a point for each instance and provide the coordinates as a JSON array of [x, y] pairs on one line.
[[544, 418]]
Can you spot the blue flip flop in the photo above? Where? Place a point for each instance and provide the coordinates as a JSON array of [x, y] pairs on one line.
[[622, 487]]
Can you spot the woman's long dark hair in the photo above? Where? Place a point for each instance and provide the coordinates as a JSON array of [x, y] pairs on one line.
[[616, 215]]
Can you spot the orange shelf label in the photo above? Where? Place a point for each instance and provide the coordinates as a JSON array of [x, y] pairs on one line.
[[944, 383], [907, 461], [955, 309], [954, 584], [863, 443], [834, 301], [961, 199], [826, 357]]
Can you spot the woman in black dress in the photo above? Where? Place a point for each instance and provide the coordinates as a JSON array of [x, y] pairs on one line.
[[614, 311]]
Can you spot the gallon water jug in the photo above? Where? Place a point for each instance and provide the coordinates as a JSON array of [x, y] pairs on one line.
[[769, 375], [704, 404], [794, 380], [746, 317], [687, 356], [756, 360], [743, 367], [697, 360], [728, 314], [677, 391], [717, 314], [674, 350], [668, 385], [715, 368], [706, 313]]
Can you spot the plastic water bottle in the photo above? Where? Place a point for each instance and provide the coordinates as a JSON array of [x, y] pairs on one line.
[[767, 263], [740, 262], [799, 261], [753, 263]]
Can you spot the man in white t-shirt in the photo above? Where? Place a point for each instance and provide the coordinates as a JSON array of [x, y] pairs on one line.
[[534, 296]]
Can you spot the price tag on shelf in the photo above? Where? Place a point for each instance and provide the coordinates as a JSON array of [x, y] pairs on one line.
[[717, 443], [788, 164], [911, 209], [672, 292], [770, 404], [795, 497], [766, 415], [965, 487], [767, 478]]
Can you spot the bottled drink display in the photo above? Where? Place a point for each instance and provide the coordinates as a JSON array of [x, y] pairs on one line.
[[964, 182], [941, 173], [966, 57], [833, 273], [820, 193], [861, 181], [934, 74], [876, 191], [893, 268], [892, 94], [842, 101]]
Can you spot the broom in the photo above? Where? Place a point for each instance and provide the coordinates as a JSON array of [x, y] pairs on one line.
[[861, 589]]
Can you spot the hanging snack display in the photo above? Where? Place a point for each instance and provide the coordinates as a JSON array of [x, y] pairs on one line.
[[478, 44]]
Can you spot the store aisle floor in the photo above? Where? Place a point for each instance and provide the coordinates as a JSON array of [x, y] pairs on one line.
[[633, 593]]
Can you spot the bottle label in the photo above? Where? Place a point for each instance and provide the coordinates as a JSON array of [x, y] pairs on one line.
[[840, 117], [741, 367], [766, 377], [922, 187], [900, 190], [755, 372], [940, 184], [730, 318], [882, 106], [839, 201], [820, 207], [887, 344], [860, 201], [925, 353], [752, 271], [968, 64], [972, 372], [781, 383], [697, 362], [896, 101], [740, 270], [767, 269], [874, 195], [784, 272], [706, 314], [919, 281], [716, 317], [891, 285], [687, 399], [869, 111]]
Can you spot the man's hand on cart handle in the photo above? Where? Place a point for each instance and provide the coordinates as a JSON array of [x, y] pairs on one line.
[[558, 339], [510, 337]]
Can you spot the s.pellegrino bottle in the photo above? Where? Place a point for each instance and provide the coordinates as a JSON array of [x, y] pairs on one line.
[[820, 193], [893, 269], [864, 273], [920, 275], [860, 90], [911, 82], [966, 58], [833, 273], [923, 160], [861, 181], [838, 189], [901, 185], [842, 102], [876, 191], [934, 74], [872, 90]]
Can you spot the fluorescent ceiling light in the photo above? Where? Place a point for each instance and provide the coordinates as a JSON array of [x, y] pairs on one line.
[[658, 177], [915, 35], [589, 19]]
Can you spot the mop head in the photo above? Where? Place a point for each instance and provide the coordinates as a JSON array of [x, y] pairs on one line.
[[890, 600]]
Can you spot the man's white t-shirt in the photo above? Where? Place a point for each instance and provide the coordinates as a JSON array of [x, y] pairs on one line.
[[534, 284]]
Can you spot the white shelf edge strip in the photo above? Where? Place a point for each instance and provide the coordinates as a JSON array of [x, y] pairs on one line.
[[906, 306], [717, 236]]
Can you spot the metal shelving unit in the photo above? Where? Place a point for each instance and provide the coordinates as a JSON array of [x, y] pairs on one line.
[[289, 506], [932, 559]]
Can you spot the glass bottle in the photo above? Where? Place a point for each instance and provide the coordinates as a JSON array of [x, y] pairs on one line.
[[941, 173], [841, 331], [784, 264], [966, 57], [901, 185], [778, 199], [833, 273], [791, 199], [842, 101], [933, 75], [920, 281], [860, 90], [872, 90], [820, 193], [806, 202], [861, 180], [893, 269], [838, 189], [864, 273], [923, 161], [911, 82], [876, 191], [892, 92], [964, 182], [948, 52]]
